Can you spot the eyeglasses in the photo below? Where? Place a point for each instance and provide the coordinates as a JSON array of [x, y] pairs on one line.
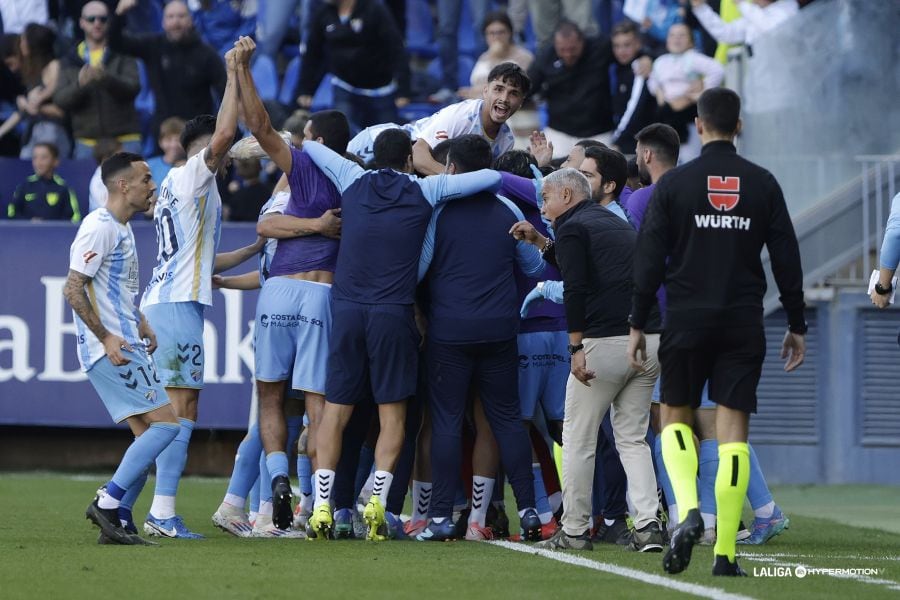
[[94, 18]]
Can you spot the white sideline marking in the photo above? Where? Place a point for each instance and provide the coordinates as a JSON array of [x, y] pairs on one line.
[[828, 556], [642, 576]]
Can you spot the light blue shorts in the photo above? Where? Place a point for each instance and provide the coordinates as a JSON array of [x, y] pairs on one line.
[[293, 324], [132, 389], [543, 372], [705, 402], [179, 332]]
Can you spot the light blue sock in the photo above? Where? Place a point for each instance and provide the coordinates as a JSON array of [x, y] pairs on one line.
[[277, 464], [254, 495], [757, 490], [540, 495], [265, 481], [662, 475], [294, 427], [304, 472], [170, 463], [140, 455], [246, 464], [709, 466]]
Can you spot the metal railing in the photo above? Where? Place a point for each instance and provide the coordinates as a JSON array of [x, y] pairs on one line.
[[876, 197]]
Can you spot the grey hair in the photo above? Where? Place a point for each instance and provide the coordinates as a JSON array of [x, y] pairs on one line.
[[572, 179]]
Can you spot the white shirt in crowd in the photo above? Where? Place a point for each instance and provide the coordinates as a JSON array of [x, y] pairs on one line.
[[755, 20]]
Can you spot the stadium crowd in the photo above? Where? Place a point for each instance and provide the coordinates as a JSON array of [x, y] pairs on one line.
[[440, 311]]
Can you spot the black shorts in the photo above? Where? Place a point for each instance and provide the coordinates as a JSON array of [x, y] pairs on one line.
[[730, 359]]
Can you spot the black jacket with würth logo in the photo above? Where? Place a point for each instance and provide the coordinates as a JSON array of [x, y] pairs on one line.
[[710, 218]]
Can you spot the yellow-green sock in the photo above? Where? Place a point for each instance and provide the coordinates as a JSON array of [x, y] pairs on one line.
[[731, 489], [680, 458]]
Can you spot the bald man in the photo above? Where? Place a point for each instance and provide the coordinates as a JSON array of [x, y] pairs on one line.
[[182, 69]]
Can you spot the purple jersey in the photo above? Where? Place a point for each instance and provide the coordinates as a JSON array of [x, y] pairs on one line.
[[637, 207], [546, 315], [311, 195]]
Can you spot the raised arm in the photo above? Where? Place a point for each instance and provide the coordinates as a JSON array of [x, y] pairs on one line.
[[226, 120], [734, 32], [339, 170], [255, 115]]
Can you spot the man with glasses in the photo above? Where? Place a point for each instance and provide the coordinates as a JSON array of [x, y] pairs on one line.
[[97, 87]]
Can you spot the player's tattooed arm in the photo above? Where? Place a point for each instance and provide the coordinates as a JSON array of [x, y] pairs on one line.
[[226, 120], [78, 300]]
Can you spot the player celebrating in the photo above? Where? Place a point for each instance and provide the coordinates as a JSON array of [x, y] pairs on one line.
[[188, 216], [101, 288]]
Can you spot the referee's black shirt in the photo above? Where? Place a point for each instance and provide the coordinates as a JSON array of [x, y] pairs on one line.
[[710, 218]]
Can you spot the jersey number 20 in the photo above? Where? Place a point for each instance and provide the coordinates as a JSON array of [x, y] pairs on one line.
[[165, 233]]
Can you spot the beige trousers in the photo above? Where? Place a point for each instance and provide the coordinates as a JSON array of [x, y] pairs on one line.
[[627, 393]]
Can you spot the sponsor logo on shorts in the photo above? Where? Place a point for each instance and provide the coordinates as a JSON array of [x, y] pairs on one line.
[[541, 360], [281, 320], [196, 374], [523, 361], [150, 395]]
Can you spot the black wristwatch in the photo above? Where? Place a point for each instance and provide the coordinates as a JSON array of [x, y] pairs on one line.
[[573, 348], [800, 329], [883, 291]]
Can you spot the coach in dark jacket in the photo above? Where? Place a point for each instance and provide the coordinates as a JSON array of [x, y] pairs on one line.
[[595, 250], [97, 87], [184, 72]]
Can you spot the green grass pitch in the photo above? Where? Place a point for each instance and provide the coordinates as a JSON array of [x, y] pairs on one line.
[[48, 550]]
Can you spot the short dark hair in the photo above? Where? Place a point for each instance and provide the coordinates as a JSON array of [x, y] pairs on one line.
[[392, 149], [117, 163], [590, 144], [611, 165], [633, 171], [720, 110], [625, 27], [332, 126], [470, 153], [517, 162], [196, 128], [567, 28], [51, 148], [441, 151], [497, 16], [662, 139], [511, 74]]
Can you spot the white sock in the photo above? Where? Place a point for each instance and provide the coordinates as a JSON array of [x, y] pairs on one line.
[[306, 503], [323, 482], [106, 501], [265, 509], [673, 516], [555, 500], [366, 491], [709, 520], [482, 490], [252, 516], [382, 487], [163, 507], [765, 511], [421, 500], [235, 501]]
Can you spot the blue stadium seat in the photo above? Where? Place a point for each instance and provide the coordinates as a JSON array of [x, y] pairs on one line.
[[469, 35], [324, 97], [465, 64], [420, 29], [289, 82], [265, 75]]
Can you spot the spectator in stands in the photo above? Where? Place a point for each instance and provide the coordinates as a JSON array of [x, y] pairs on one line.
[[633, 106], [221, 22], [248, 194], [40, 74], [97, 88], [44, 195], [357, 42], [498, 35], [10, 88], [16, 15], [757, 17], [573, 77], [547, 15], [170, 143], [273, 17], [677, 80], [184, 72], [655, 18], [448, 17]]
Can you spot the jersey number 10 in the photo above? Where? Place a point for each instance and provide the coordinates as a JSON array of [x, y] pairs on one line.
[[165, 235]]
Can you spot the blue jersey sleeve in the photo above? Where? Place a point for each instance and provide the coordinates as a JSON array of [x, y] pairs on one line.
[[339, 170], [428, 245], [890, 248], [527, 256], [553, 291], [443, 188]]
